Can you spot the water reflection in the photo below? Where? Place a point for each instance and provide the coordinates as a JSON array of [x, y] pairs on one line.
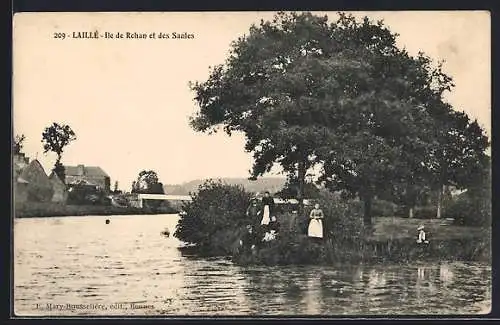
[[80, 260]]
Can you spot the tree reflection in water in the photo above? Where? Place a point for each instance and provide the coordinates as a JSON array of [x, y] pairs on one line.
[[367, 289]]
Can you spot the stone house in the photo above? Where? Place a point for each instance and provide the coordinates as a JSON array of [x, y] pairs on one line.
[[32, 183], [92, 175], [60, 191]]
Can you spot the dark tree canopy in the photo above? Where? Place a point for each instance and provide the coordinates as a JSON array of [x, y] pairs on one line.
[[147, 183], [55, 138], [339, 95], [291, 189]]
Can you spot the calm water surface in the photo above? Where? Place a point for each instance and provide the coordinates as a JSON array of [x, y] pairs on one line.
[[81, 266]]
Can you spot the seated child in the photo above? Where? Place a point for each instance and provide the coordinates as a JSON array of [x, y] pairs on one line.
[[421, 236]]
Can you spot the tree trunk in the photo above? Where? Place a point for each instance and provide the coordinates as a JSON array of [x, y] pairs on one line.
[[300, 191], [367, 217], [411, 200], [439, 202], [59, 170]]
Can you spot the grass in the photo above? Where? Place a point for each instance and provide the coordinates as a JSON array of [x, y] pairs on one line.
[[435, 229], [390, 239]]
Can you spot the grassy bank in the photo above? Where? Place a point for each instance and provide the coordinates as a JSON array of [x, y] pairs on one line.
[[50, 209], [392, 239]]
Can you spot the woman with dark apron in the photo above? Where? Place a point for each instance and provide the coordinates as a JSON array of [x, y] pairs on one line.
[[267, 209]]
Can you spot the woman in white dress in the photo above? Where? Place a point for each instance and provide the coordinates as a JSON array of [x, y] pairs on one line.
[[316, 224]]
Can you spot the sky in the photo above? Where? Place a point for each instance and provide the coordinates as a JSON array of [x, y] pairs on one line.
[[129, 103]]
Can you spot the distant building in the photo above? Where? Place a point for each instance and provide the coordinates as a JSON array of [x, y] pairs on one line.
[[88, 174], [36, 184], [60, 191], [20, 185]]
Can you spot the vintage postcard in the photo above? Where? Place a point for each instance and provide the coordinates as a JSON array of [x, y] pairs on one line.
[[251, 163]]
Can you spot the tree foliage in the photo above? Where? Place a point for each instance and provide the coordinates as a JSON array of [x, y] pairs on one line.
[[148, 183], [291, 190], [343, 96], [214, 215], [17, 145], [474, 207], [56, 138]]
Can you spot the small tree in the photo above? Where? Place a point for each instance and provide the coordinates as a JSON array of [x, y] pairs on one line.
[[17, 145], [55, 138], [214, 215], [147, 182]]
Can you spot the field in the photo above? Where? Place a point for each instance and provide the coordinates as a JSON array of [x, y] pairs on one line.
[[437, 229]]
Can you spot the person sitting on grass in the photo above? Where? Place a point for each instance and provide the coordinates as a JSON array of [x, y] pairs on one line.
[[421, 237], [248, 240], [274, 224]]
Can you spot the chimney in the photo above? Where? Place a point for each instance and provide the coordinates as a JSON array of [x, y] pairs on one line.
[[81, 170]]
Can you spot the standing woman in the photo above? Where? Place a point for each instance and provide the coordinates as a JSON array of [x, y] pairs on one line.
[[253, 212], [316, 224], [267, 209]]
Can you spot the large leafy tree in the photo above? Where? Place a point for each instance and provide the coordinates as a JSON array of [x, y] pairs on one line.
[[268, 90], [341, 95], [56, 138], [458, 154]]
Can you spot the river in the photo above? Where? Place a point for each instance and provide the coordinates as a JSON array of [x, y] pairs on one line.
[[75, 266]]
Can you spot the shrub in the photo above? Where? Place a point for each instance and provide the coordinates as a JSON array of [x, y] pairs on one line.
[[470, 209], [343, 226], [343, 219], [84, 194], [214, 216], [382, 208], [425, 212]]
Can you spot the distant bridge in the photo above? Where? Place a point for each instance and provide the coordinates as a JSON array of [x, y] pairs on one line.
[[162, 197], [185, 198]]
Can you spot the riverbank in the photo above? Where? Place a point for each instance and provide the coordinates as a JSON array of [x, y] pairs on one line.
[[50, 209], [390, 240]]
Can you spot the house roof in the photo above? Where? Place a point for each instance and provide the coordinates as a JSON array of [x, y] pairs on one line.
[[88, 171], [34, 164], [35, 174], [53, 176]]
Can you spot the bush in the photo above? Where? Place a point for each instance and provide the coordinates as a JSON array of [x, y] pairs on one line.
[[425, 212], [343, 219], [382, 208], [214, 217], [343, 226], [84, 194], [470, 209], [290, 247]]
